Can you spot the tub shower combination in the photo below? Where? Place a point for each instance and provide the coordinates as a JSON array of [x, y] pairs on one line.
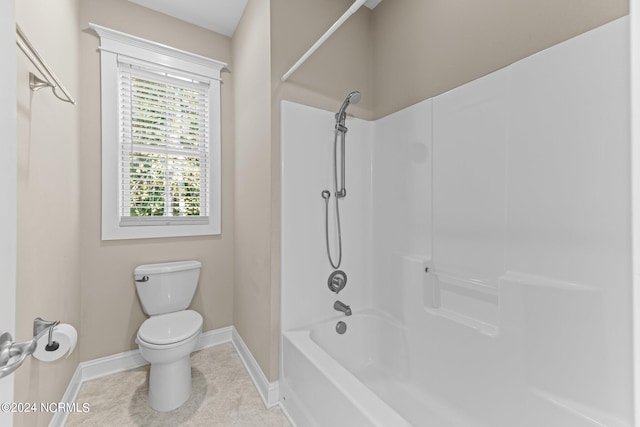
[[486, 237], [338, 278]]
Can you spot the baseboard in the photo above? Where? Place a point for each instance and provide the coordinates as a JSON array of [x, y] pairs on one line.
[[214, 338], [108, 365], [97, 368], [59, 419], [132, 359], [269, 391]]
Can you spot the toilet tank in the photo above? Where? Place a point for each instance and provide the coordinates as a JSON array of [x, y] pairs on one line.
[[166, 287]]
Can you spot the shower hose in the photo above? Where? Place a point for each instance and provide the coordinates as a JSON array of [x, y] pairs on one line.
[[326, 195]]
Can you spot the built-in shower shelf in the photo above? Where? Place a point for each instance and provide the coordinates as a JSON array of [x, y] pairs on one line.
[[473, 285], [482, 327], [525, 279], [468, 301]]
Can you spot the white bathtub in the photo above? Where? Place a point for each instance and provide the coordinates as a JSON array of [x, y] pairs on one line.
[[359, 379]]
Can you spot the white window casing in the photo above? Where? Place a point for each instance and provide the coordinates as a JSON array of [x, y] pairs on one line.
[[160, 139]]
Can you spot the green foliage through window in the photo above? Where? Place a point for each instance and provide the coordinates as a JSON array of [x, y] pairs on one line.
[[167, 154]]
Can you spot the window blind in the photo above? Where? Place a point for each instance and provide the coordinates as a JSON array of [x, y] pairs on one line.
[[165, 163]]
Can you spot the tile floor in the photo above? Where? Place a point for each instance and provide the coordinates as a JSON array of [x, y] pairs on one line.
[[223, 395]]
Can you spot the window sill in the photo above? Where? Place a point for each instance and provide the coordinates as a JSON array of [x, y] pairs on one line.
[[151, 232]]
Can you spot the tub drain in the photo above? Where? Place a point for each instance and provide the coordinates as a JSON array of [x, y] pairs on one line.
[[341, 328]]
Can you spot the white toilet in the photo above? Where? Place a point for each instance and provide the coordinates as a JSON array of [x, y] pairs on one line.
[[168, 337]]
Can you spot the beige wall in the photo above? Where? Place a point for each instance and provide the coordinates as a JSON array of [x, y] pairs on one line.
[[64, 269], [341, 65], [48, 199], [111, 313], [423, 48], [270, 38], [253, 310], [400, 53]]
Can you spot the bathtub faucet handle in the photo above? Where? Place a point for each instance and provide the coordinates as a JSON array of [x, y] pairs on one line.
[[337, 281]]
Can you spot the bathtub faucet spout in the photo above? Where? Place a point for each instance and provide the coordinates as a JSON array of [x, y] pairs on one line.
[[340, 306]]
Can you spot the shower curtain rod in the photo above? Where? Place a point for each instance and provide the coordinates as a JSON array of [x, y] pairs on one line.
[[354, 7], [50, 79]]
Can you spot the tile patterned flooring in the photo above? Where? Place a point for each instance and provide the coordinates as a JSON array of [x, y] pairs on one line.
[[223, 395]]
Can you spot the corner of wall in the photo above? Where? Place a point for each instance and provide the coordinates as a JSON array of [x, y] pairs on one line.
[[254, 309]]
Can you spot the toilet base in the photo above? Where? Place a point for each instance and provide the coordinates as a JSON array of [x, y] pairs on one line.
[[170, 374], [170, 384]]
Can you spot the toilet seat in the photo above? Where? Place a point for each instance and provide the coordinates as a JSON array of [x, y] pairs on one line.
[[170, 328]]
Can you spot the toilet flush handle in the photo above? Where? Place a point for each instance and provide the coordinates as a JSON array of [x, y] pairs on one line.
[[143, 279]]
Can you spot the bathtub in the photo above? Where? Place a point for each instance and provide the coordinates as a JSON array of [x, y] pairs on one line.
[[361, 378]]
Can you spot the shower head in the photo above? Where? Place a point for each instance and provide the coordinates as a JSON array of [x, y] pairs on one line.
[[352, 98]]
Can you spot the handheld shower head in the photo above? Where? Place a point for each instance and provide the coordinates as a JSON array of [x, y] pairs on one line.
[[353, 98], [340, 190]]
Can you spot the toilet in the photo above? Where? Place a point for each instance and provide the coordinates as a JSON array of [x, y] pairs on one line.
[[167, 338]]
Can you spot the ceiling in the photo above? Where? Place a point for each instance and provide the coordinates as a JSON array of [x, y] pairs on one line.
[[221, 16]]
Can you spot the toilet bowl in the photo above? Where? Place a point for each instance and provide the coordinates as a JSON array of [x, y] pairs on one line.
[[166, 342], [167, 338]]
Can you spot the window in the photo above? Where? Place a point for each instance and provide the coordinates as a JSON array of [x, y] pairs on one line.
[[164, 147], [160, 139]]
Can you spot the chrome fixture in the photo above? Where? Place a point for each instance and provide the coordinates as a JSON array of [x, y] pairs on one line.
[[13, 354], [353, 98], [50, 79], [341, 327], [337, 281], [341, 117], [40, 327], [340, 190], [36, 83], [340, 306]]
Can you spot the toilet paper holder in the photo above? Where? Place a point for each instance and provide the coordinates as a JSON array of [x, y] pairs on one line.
[[13, 354], [40, 326]]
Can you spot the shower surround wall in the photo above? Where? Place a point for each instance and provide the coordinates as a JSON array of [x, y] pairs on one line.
[[307, 159], [513, 190]]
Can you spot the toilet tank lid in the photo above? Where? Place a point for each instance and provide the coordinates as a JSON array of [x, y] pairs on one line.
[[167, 267]]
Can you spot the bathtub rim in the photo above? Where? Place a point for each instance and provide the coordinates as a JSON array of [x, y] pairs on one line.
[[374, 409]]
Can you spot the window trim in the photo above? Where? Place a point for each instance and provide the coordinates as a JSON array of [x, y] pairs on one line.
[[112, 45]]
